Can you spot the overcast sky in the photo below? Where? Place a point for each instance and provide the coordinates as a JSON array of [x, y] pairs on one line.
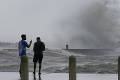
[[60, 22]]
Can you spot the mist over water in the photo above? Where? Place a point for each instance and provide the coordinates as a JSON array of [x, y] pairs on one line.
[[78, 23], [94, 25]]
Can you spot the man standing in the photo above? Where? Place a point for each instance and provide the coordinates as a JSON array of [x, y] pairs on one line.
[[38, 49], [22, 47]]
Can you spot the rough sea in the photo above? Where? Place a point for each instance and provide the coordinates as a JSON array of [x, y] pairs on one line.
[[98, 61]]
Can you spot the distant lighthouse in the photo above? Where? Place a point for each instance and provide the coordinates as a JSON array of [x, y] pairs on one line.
[[66, 46]]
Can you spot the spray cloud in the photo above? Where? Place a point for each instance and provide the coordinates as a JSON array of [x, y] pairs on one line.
[[95, 25]]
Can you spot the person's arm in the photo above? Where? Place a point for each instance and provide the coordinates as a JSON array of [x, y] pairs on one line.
[[34, 47], [29, 44], [43, 47]]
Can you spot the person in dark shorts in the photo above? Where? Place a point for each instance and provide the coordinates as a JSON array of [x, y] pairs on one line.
[[38, 49]]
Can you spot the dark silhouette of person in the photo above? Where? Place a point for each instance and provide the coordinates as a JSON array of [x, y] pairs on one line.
[[38, 49], [22, 47]]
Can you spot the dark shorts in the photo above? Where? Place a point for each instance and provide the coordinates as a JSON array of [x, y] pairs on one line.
[[38, 58]]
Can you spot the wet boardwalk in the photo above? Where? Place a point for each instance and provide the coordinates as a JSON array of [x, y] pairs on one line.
[[57, 76]]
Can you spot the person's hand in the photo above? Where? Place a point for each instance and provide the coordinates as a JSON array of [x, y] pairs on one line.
[[30, 41]]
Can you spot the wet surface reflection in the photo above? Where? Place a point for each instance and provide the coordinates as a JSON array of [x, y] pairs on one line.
[[37, 77]]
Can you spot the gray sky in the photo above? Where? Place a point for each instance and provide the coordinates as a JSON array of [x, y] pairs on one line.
[[60, 22]]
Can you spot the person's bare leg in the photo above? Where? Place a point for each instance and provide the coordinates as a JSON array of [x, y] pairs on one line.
[[20, 69], [34, 67], [39, 68], [20, 66], [40, 77]]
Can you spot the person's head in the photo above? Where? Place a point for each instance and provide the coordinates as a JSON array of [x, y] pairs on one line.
[[23, 36], [38, 39]]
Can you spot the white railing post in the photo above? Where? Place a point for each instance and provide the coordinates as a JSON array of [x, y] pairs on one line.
[[72, 68], [119, 68], [24, 68]]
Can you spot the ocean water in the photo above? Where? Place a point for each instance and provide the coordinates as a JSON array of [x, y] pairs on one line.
[[98, 61]]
